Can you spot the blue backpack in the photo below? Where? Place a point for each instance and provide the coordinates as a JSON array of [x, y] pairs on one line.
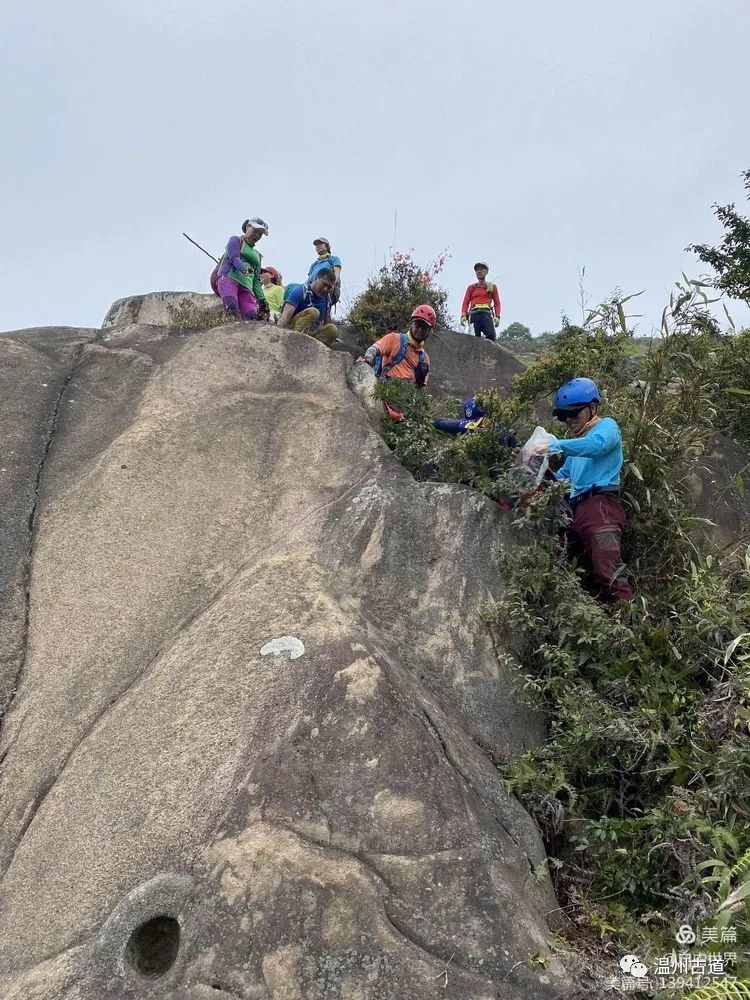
[[383, 371]]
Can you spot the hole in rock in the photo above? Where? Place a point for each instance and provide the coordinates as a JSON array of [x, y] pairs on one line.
[[153, 946]]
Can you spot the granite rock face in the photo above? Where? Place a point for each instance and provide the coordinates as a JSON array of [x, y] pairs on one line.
[[246, 686]]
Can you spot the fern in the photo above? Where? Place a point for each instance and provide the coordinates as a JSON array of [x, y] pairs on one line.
[[728, 990], [742, 869]]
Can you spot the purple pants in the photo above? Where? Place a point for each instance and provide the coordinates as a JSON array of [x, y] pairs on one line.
[[238, 300]]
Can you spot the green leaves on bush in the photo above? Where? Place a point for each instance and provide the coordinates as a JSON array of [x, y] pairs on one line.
[[731, 259], [393, 293], [646, 771]]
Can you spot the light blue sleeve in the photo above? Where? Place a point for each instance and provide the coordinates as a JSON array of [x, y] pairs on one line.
[[564, 471], [599, 441], [334, 261]]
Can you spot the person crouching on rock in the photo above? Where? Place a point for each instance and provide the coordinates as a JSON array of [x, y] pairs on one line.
[[237, 277], [307, 308], [402, 355], [593, 460]]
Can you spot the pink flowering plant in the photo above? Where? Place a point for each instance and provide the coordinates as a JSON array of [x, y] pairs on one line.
[[393, 292]]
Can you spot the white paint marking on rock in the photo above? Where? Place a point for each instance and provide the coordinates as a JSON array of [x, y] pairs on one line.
[[286, 645]]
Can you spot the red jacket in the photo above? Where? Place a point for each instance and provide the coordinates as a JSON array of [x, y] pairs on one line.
[[481, 297]]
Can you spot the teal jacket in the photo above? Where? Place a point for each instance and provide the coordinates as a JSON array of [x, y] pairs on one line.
[[592, 460]]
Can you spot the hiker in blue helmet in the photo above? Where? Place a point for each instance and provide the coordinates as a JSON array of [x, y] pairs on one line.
[[593, 460], [576, 393], [472, 420], [472, 409]]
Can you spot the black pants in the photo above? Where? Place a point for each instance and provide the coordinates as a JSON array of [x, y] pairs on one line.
[[481, 320]]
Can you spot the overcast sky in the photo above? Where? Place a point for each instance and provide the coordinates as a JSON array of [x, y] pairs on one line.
[[542, 136]]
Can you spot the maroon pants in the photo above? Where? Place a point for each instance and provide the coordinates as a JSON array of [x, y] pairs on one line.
[[596, 530]]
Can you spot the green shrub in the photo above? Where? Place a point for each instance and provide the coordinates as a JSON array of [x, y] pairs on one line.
[[475, 459], [733, 362], [731, 259], [393, 292], [645, 775], [191, 315], [646, 772]]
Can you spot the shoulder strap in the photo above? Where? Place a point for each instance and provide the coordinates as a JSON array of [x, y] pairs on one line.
[[398, 357]]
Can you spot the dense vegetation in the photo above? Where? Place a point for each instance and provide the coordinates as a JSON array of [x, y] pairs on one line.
[[642, 791], [393, 292]]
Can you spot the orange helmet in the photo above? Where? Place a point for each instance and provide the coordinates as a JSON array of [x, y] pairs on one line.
[[425, 313]]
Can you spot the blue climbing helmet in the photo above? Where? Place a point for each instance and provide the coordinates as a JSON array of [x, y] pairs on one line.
[[472, 409], [574, 395]]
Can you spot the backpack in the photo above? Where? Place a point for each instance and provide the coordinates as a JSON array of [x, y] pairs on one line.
[[308, 296], [383, 371], [319, 261]]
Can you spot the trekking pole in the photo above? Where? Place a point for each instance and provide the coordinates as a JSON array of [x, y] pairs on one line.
[[201, 248]]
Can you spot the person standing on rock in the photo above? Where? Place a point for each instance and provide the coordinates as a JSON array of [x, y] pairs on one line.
[[307, 308], [402, 355], [481, 304], [236, 280], [593, 460], [325, 260]]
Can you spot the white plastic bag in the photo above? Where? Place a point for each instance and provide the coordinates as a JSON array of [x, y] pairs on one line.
[[533, 457]]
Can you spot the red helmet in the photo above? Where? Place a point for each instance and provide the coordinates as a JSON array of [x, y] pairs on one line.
[[426, 313], [275, 276]]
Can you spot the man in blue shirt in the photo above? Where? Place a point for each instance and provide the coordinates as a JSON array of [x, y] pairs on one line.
[[593, 460], [307, 308], [326, 259]]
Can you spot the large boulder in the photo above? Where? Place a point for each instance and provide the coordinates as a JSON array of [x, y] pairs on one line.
[[243, 757], [167, 309], [720, 485], [34, 370], [460, 364]]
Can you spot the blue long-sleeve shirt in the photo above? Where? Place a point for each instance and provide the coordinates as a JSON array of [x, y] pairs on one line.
[[592, 460]]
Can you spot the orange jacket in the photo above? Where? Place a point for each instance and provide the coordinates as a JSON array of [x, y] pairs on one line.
[[388, 347]]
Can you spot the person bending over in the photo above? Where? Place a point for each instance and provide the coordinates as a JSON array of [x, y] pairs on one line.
[[307, 308]]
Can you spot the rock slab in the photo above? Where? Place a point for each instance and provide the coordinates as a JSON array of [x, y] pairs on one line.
[[241, 753]]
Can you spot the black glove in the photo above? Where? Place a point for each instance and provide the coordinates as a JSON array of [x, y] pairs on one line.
[[336, 293]]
